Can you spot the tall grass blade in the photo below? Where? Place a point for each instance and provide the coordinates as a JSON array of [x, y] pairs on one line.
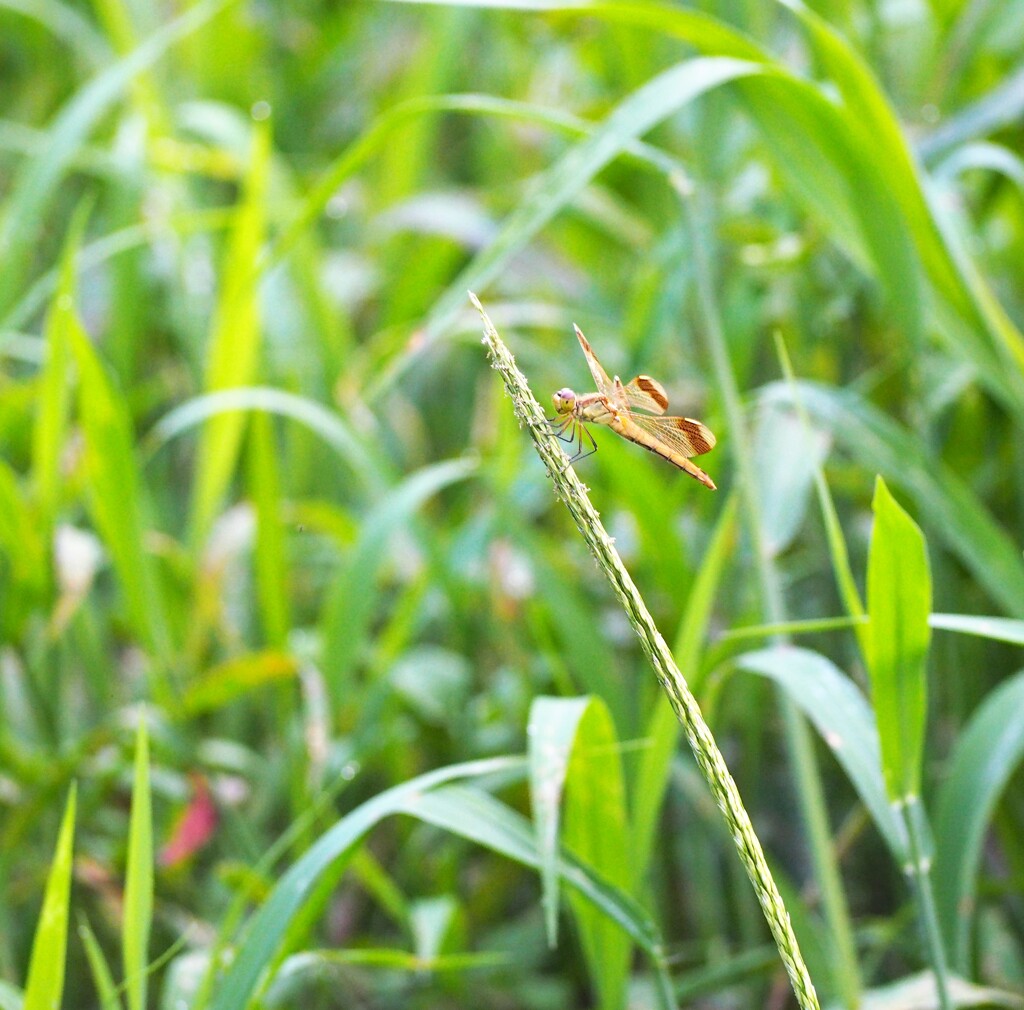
[[115, 492], [138, 889], [45, 985], [662, 731], [270, 562], [232, 356]]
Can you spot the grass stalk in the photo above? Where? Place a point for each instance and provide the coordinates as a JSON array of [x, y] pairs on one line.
[[800, 744], [919, 872], [709, 758]]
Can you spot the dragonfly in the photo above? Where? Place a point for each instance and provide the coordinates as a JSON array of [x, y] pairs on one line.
[[615, 405]]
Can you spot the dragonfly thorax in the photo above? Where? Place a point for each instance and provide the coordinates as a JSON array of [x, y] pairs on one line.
[[564, 400]]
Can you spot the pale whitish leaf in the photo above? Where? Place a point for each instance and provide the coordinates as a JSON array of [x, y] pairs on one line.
[[551, 732], [999, 629], [434, 681], [918, 992], [787, 453]]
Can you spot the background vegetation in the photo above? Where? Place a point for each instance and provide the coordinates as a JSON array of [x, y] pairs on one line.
[[277, 563]]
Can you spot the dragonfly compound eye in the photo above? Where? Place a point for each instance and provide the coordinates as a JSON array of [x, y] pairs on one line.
[[565, 400]]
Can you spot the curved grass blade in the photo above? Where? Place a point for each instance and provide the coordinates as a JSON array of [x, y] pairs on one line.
[[478, 816], [987, 753], [268, 927], [952, 510], [843, 719], [350, 605], [999, 629], [317, 418]]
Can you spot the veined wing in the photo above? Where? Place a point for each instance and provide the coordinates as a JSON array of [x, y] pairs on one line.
[[646, 393], [601, 380], [681, 434]]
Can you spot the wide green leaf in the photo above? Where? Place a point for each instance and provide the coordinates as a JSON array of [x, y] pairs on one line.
[[899, 601], [596, 830]]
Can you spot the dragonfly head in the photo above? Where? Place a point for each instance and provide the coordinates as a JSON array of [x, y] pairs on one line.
[[565, 401]]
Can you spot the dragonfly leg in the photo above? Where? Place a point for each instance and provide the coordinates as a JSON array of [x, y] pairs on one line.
[[582, 432], [558, 427]]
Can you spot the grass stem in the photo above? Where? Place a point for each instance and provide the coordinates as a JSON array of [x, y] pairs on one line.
[[709, 758]]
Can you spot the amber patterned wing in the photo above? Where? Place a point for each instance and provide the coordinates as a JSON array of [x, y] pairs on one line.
[[601, 380], [646, 393], [682, 434]]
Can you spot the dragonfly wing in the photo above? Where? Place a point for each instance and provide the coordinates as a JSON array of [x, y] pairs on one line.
[[603, 383], [646, 393], [683, 434]]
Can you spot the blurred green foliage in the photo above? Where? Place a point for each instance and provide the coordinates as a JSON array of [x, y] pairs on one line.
[[259, 488]]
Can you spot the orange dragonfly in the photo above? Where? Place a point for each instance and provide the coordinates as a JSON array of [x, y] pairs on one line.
[[614, 405]]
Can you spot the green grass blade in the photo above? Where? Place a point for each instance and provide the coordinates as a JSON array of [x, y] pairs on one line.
[[138, 890], [269, 926], [102, 977], [50, 428], [38, 180], [899, 602], [987, 753], [844, 721], [632, 118], [270, 562], [232, 356], [115, 492], [350, 605], [25, 551], [45, 984], [839, 555]]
